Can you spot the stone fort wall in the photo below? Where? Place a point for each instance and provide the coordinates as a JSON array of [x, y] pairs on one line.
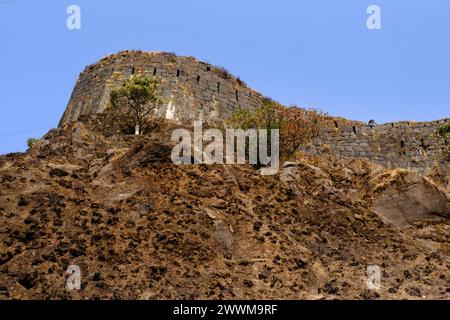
[[196, 90], [190, 89], [410, 145]]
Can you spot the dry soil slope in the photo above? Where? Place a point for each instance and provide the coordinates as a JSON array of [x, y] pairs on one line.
[[141, 227]]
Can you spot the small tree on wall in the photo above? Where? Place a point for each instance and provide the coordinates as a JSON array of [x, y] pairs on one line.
[[137, 97]]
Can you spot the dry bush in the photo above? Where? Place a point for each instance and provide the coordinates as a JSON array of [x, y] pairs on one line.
[[222, 72], [171, 57], [297, 126], [440, 172]]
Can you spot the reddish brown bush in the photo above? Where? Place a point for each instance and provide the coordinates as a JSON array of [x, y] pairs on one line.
[[297, 126]]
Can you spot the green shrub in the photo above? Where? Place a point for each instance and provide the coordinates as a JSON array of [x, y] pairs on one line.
[[31, 142], [297, 126], [444, 131]]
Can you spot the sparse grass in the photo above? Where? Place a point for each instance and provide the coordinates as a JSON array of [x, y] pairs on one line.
[[171, 57], [386, 179], [241, 82], [222, 72]]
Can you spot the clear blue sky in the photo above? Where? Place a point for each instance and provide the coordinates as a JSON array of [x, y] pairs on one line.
[[314, 53]]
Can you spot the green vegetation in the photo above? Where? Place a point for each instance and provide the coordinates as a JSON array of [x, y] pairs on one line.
[[265, 117], [444, 131], [31, 142], [297, 126], [136, 98]]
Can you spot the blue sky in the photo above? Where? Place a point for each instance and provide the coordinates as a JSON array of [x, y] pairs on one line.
[[314, 53]]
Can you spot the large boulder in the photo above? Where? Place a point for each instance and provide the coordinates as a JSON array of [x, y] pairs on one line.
[[400, 197]]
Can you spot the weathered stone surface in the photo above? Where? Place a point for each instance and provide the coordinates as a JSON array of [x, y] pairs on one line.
[[293, 171], [411, 197], [194, 90], [409, 145], [140, 227], [191, 89]]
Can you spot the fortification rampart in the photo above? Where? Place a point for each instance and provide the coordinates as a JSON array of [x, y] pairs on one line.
[[193, 90], [190, 89], [411, 145]]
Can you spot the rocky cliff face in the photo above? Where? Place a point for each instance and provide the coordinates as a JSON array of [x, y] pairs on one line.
[[140, 227]]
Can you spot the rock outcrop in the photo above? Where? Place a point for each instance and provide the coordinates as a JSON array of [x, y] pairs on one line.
[[407, 197], [140, 227]]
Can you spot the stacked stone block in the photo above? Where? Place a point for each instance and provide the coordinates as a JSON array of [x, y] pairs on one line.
[[194, 90], [190, 89], [411, 145]]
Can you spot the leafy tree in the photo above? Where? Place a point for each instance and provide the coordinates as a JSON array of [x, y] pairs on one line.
[[137, 97]]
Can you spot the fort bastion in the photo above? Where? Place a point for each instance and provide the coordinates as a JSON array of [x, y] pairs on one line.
[[195, 90]]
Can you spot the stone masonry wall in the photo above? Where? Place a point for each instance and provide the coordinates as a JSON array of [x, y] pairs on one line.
[[196, 90], [410, 145], [191, 89]]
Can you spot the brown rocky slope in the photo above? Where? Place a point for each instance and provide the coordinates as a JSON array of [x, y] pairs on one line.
[[141, 227]]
